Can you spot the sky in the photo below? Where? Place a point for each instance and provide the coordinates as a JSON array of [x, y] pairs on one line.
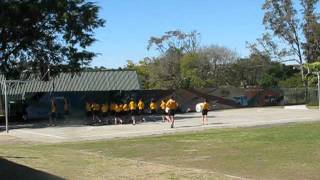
[[130, 24]]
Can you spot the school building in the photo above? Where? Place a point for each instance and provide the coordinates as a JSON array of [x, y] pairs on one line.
[[33, 97]]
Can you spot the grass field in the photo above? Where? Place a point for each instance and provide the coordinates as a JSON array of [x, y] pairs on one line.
[[279, 152]]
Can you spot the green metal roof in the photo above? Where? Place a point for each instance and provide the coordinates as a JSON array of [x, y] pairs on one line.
[[84, 81]]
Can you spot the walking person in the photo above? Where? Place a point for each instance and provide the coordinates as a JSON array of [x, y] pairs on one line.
[[132, 107], [126, 110], [172, 106], [53, 112], [205, 109], [96, 111], [104, 112], [65, 109], [153, 108], [140, 110], [118, 110], [89, 112], [163, 111]]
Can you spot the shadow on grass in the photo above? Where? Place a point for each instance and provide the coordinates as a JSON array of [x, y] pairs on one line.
[[11, 170]]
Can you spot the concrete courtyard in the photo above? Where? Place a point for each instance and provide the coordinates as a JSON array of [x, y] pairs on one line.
[[184, 122]]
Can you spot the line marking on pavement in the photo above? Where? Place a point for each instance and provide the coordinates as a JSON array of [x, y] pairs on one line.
[[41, 134]]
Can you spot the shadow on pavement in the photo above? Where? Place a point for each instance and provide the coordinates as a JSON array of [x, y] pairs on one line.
[[198, 125], [11, 170]]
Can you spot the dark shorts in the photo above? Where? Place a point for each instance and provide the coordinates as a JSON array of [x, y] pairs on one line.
[[153, 111], [140, 111], [53, 115], [104, 114], [132, 112], [123, 113], [96, 113], [171, 112], [89, 113], [163, 111], [204, 112], [112, 112], [66, 112], [117, 114]]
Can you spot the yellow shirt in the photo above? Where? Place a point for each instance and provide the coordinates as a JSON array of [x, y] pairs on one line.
[[112, 107], [163, 105], [171, 104], [140, 105], [125, 107], [153, 106], [117, 108], [132, 105], [96, 107], [205, 106], [105, 108], [88, 107]]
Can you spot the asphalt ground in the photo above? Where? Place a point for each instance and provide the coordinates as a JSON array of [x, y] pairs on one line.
[[234, 118]]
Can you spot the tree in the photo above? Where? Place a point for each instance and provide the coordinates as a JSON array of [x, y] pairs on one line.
[[172, 46], [313, 68], [216, 65], [281, 20], [142, 69], [311, 30], [38, 34], [273, 75], [249, 71], [289, 30], [191, 71], [183, 42]]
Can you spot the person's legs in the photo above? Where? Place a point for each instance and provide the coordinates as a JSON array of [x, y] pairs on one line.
[[171, 117], [50, 119], [133, 120], [115, 118], [53, 119], [153, 112], [66, 116], [132, 117], [172, 121], [139, 115], [143, 119], [206, 119], [120, 118]]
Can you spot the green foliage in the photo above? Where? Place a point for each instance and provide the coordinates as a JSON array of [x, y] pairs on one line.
[[190, 74], [36, 34], [312, 77], [292, 82], [142, 70], [273, 75]]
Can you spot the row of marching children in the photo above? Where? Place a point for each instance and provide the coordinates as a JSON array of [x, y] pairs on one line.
[[130, 111]]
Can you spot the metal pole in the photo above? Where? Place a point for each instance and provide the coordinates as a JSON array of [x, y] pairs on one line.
[[6, 105], [318, 74]]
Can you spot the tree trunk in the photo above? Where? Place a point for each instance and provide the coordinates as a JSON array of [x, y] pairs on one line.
[[305, 83]]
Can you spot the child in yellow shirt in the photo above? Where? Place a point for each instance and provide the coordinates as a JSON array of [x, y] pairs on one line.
[[133, 107], [205, 109]]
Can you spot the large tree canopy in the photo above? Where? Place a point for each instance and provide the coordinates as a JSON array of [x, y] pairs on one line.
[[37, 33], [292, 34]]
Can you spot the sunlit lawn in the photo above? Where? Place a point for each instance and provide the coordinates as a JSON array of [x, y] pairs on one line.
[[279, 152]]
